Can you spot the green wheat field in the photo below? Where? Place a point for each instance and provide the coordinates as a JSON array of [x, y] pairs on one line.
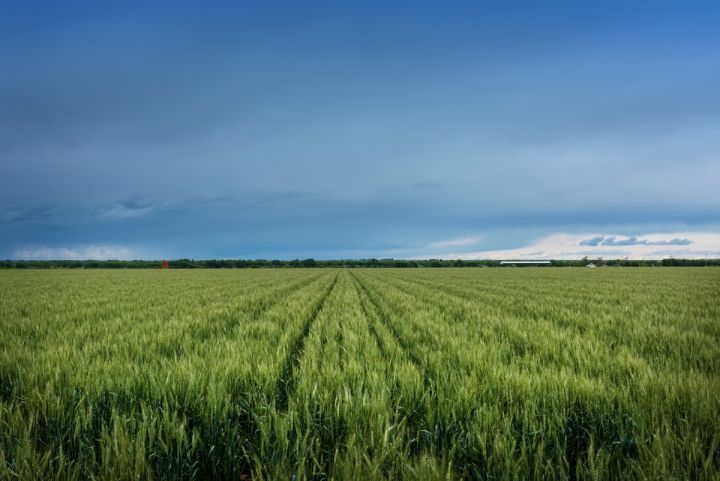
[[497, 374]]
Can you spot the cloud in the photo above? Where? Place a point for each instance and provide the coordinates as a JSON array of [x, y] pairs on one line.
[[459, 242], [132, 208], [94, 252], [631, 241], [576, 246], [19, 214], [142, 207], [595, 241]]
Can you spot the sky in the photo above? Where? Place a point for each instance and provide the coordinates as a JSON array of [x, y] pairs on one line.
[[359, 129]]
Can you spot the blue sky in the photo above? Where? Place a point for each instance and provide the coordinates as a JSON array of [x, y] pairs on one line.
[[371, 129]]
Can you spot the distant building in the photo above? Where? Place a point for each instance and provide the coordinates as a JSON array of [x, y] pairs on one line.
[[591, 265], [524, 263], [165, 265]]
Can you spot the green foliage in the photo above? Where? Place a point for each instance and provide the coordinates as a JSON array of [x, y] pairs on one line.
[[395, 263], [360, 374]]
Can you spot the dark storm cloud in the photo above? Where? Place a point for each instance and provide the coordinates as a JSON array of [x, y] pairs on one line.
[[20, 214], [132, 208], [315, 128]]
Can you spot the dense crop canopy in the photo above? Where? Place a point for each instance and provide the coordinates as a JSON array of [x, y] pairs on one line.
[[360, 374]]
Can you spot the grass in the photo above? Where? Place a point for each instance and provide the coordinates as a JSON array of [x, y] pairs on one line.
[[360, 374]]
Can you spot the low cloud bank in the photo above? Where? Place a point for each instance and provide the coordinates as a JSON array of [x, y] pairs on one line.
[[689, 245], [87, 252]]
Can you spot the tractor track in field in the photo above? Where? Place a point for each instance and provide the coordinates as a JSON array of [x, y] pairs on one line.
[[286, 382], [459, 293], [220, 326], [383, 317], [371, 318], [463, 295], [259, 306]]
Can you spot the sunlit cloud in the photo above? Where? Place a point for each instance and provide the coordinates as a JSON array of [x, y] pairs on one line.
[[631, 241], [691, 245]]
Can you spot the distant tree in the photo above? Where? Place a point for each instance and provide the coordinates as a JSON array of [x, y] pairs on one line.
[[309, 263]]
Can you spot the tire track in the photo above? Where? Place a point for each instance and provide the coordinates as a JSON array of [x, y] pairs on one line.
[[286, 381], [384, 319], [221, 326], [414, 409], [459, 311], [372, 319], [263, 303], [463, 295]]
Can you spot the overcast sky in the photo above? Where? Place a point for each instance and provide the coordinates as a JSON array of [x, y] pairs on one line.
[[359, 129]]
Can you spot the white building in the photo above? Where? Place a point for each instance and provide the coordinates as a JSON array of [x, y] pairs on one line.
[[525, 263]]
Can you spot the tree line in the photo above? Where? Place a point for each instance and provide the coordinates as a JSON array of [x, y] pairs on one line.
[[401, 263]]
